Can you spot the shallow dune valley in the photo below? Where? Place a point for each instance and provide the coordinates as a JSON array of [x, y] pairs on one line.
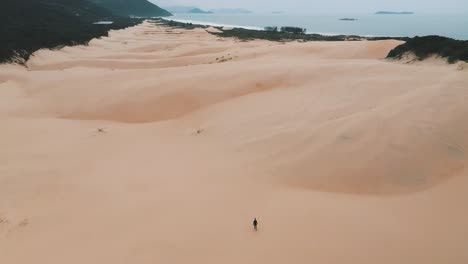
[[161, 145]]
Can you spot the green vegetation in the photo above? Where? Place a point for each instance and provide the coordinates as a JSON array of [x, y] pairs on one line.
[[139, 8], [293, 30], [248, 34], [271, 29], [423, 47], [29, 25], [176, 24]]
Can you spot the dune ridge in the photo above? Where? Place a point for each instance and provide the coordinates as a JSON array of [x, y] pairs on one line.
[[160, 145]]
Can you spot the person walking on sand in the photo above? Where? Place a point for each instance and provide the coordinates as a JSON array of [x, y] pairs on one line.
[[255, 224]]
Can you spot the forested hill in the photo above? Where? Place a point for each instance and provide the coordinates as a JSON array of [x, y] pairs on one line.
[[140, 8], [29, 25]]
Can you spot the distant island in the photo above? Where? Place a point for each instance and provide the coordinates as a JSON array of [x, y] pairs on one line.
[[179, 9], [199, 11], [393, 13], [186, 10], [348, 19]]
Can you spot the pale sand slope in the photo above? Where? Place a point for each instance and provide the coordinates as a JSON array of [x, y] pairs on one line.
[[344, 157]]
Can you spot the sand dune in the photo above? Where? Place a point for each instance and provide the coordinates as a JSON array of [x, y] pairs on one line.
[[160, 145]]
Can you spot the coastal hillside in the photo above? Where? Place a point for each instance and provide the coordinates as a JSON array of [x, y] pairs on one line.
[[140, 8], [179, 9], [29, 25]]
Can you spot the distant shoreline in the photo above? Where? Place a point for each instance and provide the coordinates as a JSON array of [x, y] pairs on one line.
[[422, 47], [202, 24], [394, 13], [213, 24]]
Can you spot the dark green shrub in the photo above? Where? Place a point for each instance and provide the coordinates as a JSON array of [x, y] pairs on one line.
[[423, 47], [293, 30]]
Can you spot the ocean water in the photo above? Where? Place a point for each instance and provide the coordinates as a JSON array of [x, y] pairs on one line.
[[453, 26]]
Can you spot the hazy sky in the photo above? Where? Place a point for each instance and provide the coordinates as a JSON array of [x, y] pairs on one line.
[[329, 6]]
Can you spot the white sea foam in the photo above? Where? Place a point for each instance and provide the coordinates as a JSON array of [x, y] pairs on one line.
[[103, 23]]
